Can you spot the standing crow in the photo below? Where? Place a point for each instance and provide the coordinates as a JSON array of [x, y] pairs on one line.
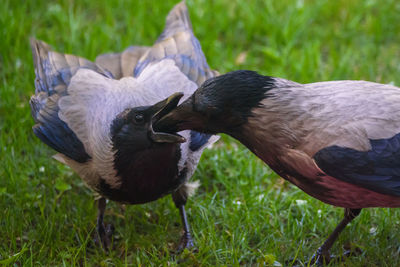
[[338, 141], [99, 117]]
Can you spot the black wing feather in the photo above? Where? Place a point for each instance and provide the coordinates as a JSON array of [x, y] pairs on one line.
[[377, 169]]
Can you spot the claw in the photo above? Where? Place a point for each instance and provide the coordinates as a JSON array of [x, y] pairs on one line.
[[322, 256], [321, 259], [104, 235], [186, 243]]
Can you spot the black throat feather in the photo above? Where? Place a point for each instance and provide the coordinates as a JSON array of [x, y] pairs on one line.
[[147, 170]]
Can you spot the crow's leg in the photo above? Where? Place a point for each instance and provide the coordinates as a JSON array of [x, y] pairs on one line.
[[180, 199], [322, 256], [104, 233]]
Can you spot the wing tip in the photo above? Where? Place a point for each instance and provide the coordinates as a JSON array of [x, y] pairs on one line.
[[39, 50], [40, 54], [182, 14], [177, 20]]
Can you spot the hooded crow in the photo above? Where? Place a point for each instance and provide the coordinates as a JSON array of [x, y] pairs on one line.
[[99, 117], [338, 141]]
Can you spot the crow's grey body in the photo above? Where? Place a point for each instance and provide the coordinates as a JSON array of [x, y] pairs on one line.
[[77, 102], [304, 119]]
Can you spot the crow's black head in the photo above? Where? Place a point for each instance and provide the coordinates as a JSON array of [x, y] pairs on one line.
[[134, 126], [132, 130], [220, 104]]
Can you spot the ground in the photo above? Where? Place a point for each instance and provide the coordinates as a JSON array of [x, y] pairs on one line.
[[243, 214]]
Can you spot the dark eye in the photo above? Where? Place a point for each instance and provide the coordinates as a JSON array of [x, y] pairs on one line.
[[139, 118]]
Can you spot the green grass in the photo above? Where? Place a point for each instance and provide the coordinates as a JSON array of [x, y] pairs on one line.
[[243, 213]]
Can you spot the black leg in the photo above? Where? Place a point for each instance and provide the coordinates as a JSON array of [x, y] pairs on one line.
[[186, 239], [104, 233], [322, 255]]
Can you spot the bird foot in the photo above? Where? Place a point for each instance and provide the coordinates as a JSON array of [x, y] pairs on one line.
[[322, 258], [103, 237], [316, 260], [186, 243]]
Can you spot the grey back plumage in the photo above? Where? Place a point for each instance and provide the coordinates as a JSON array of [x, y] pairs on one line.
[[346, 113]]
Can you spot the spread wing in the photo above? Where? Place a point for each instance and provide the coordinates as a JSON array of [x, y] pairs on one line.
[[53, 75], [178, 42]]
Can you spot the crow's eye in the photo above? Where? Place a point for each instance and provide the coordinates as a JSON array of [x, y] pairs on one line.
[[139, 118]]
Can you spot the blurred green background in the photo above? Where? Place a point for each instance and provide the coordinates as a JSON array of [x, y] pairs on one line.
[[243, 214]]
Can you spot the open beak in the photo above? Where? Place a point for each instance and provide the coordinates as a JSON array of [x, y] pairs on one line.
[[160, 109], [180, 118]]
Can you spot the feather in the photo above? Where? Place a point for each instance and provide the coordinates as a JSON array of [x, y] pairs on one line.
[[121, 64]]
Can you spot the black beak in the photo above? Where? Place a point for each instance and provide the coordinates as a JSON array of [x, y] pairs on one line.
[[181, 118], [160, 109]]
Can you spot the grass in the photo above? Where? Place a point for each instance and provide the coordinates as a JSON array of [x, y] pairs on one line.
[[243, 213]]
